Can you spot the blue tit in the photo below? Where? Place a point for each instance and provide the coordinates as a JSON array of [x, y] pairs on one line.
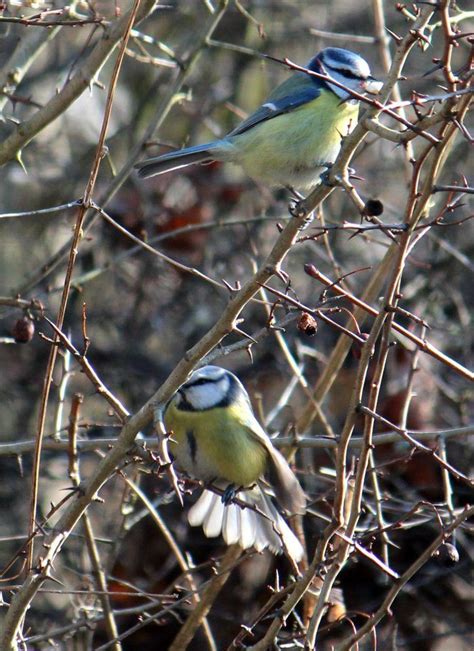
[[295, 134], [215, 437]]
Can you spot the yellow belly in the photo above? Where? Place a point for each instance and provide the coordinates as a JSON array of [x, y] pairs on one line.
[[213, 444], [291, 149]]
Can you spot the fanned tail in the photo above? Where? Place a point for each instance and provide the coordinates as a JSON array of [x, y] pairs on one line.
[[245, 526], [182, 158]]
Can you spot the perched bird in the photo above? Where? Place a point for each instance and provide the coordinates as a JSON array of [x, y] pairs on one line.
[[295, 134], [215, 437]]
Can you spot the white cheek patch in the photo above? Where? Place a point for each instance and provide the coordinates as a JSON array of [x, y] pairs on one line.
[[363, 68], [205, 396]]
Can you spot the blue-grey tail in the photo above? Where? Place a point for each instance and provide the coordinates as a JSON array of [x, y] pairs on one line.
[[177, 159]]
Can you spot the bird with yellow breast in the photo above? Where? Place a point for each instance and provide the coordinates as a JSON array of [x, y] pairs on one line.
[[215, 437], [296, 133]]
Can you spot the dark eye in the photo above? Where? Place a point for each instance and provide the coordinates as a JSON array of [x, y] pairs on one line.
[[196, 383], [201, 381], [345, 72], [350, 74]]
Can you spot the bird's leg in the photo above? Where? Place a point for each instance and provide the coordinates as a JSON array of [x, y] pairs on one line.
[[229, 494], [296, 195]]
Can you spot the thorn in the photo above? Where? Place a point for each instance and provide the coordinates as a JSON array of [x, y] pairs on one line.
[[231, 289], [283, 276], [20, 161], [395, 37], [51, 578], [244, 334], [249, 352]]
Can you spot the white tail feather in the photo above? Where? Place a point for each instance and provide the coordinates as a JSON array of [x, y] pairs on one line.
[[244, 525], [197, 513], [213, 521]]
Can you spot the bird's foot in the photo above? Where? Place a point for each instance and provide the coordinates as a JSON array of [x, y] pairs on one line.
[[297, 209], [325, 175], [229, 494], [296, 206]]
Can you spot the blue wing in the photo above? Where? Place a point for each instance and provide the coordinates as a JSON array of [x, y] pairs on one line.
[[294, 92]]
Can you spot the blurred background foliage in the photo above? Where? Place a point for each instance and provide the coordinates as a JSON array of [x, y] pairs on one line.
[[143, 314]]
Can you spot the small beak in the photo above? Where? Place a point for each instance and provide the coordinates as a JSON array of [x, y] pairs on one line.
[[372, 86]]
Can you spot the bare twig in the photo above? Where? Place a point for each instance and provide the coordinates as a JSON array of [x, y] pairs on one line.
[[126, 26], [315, 442], [395, 590], [208, 597]]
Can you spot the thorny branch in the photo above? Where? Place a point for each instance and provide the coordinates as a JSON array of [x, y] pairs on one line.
[[354, 476]]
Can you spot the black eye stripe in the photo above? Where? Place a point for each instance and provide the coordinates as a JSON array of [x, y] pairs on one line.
[[228, 399], [350, 74], [202, 380]]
